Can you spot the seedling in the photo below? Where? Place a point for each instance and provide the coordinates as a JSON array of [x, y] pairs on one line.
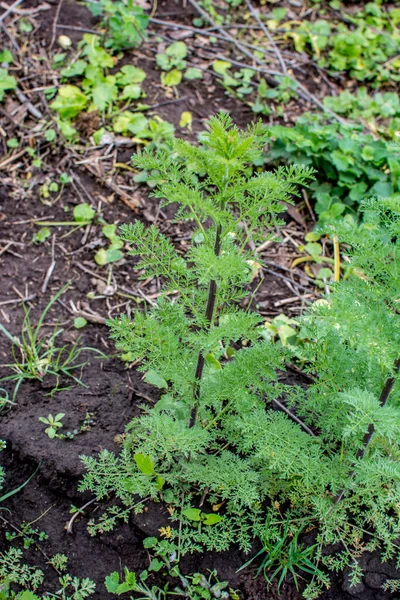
[[7, 82], [113, 253], [283, 555], [53, 424], [125, 22], [30, 535], [284, 328], [197, 516], [96, 90], [36, 355]]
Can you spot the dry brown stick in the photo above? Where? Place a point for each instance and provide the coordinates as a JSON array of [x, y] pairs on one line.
[[204, 32], [53, 37], [300, 89], [256, 15], [24, 100], [11, 158], [51, 267], [72, 28], [18, 300], [25, 11], [292, 416], [68, 526], [10, 9]]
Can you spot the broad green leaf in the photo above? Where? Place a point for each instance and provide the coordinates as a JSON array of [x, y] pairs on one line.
[[144, 463], [7, 82], [66, 128], [163, 62], [160, 482], [221, 66], [129, 75], [109, 231], [97, 56], [98, 135], [112, 582], [70, 101], [156, 565], [103, 94], [325, 273], [41, 235], [211, 519], [105, 257], [193, 73], [213, 362], [27, 595], [116, 243], [130, 122], [6, 56], [50, 135], [131, 92], [83, 213], [177, 50], [312, 236], [172, 78], [286, 333], [186, 120], [155, 379], [313, 248], [150, 542], [75, 69], [80, 322], [125, 587], [193, 514]]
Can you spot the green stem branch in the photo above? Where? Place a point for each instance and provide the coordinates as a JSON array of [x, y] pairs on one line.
[[212, 295]]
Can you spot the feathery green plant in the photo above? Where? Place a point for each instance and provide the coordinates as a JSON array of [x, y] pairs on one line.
[[213, 447], [203, 351], [215, 189]]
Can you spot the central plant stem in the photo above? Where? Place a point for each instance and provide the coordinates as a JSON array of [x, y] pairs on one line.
[[383, 398], [212, 296]]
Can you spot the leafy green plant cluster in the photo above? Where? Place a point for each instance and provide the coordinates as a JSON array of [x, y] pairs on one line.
[[214, 448], [350, 164], [55, 423], [246, 85], [125, 22], [15, 572], [165, 561], [173, 62], [108, 94], [84, 215], [380, 111], [365, 44]]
